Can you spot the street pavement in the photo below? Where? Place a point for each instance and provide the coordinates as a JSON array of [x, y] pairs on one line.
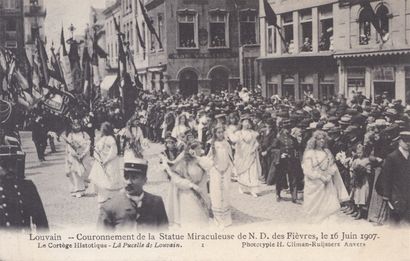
[[64, 211]]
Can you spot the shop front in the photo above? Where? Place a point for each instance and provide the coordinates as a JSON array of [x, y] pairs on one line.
[[376, 73]]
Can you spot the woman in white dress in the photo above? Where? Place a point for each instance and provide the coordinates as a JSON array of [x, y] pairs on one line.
[[220, 177], [324, 188], [181, 126], [78, 145], [246, 162], [105, 173], [188, 201], [133, 140]]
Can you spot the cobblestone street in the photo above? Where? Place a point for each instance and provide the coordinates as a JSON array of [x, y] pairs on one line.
[[64, 211]]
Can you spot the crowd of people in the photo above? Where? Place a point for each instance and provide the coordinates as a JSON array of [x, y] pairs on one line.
[[331, 155]]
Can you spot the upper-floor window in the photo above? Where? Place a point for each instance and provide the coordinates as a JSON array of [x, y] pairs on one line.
[[248, 26], [326, 28], [287, 22], [11, 25], [160, 25], [187, 29], [383, 17], [365, 24], [34, 2], [271, 40], [152, 37], [9, 4], [218, 29], [306, 30]]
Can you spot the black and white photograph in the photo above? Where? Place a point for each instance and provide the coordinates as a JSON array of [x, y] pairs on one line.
[[223, 126]]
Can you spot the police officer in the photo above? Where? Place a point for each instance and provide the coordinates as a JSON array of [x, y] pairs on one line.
[[132, 207]]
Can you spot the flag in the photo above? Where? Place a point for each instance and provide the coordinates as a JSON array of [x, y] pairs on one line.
[[137, 81], [86, 65], [98, 52], [149, 23], [270, 15], [75, 66], [271, 19], [56, 71], [122, 58], [141, 40], [65, 64], [42, 62], [373, 18]]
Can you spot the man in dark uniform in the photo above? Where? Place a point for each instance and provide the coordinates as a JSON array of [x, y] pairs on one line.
[[288, 164], [39, 136], [394, 181], [134, 208], [20, 204]]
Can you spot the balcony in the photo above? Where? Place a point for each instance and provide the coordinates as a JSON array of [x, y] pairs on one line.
[[34, 10]]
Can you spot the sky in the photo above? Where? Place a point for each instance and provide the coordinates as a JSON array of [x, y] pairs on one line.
[[65, 12]]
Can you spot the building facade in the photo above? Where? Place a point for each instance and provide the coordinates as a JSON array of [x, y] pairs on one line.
[[199, 47], [328, 47], [34, 18], [12, 25]]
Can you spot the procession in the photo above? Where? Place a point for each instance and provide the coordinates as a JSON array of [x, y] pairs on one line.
[[156, 154]]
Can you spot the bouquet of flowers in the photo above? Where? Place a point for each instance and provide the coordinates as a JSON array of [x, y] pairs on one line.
[[343, 159], [359, 174]]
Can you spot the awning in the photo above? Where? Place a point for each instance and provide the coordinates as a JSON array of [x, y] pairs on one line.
[[301, 55], [371, 53], [107, 83]]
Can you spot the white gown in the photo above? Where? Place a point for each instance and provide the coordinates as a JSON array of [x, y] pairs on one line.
[[321, 200]]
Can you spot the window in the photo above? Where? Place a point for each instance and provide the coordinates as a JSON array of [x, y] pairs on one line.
[[9, 4], [218, 29], [187, 30], [248, 27], [356, 80], [271, 40], [152, 37], [160, 25], [306, 85], [288, 33], [11, 44], [407, 85], [34, 2], [326, 86], [306, 30], [11, 25], [382, 14], [272, 86], [326, 28], [365, 26]]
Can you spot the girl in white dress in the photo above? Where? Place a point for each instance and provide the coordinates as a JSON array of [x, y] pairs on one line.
[[105, 173], [246, 162], [324, 188], [78, 145], [220, 177]]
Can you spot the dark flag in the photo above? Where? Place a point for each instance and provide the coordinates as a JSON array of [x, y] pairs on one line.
[[122, 58], [75, 66], [141, 40], [65, 64], [56, 72], [87, 81], [271, 19], [372, 17], [42, 61], [149, 23]]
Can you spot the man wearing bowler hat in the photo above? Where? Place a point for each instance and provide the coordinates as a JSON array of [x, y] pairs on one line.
[[394, 181], [132, 207]]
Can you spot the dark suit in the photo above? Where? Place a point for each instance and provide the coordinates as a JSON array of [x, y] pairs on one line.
[[122, 213], [20, 205], [394, 184]]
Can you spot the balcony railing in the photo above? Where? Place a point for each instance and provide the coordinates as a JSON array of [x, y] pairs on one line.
[[34, 10]]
